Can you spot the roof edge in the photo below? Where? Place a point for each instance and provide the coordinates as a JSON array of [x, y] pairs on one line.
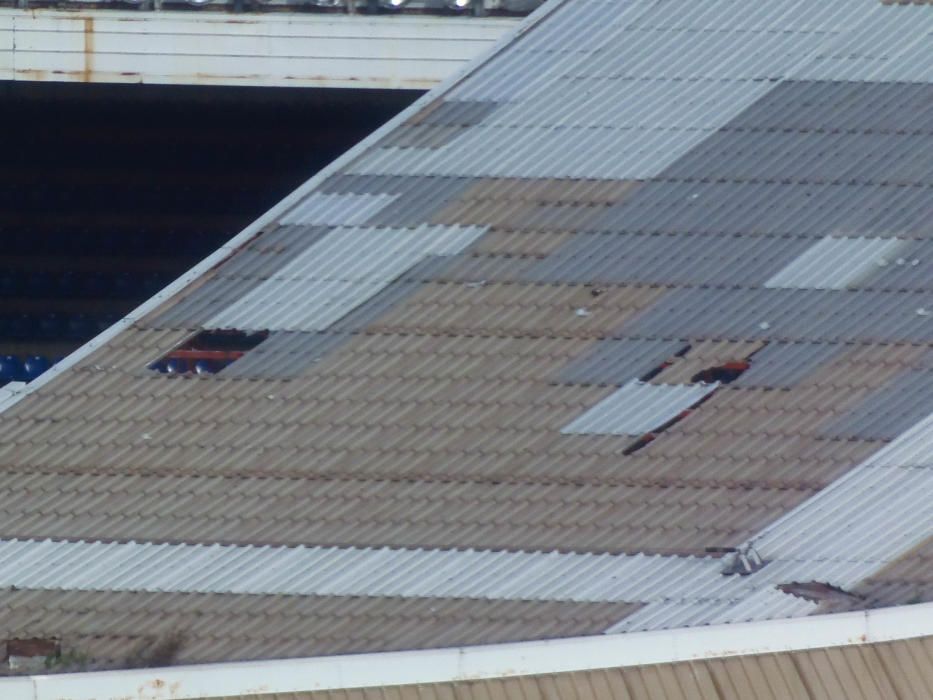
[[482, 662]]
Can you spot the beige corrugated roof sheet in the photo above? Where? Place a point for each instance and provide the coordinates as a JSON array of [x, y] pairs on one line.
[[908, 579], [901, 670], [120, 629]]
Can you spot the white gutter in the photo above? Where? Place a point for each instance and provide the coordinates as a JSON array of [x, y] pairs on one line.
[[481, 662]]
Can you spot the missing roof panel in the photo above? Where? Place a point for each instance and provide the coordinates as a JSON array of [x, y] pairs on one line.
[[208, 352]]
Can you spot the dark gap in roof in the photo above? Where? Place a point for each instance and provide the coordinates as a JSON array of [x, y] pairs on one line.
[[97, 214], [208, 352], [651, 436], [726, 373], [664, 365]]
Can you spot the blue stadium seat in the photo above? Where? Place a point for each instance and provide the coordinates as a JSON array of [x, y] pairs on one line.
[[34, 366], [11, 369], [205, 367], [176, 366]]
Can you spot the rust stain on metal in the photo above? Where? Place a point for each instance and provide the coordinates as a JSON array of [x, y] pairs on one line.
[[31, 74], [88, 49], [157, 689]]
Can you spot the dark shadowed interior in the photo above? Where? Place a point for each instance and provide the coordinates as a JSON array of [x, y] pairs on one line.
[[108, 192]]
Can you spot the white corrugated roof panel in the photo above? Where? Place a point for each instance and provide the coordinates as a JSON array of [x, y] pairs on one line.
[[638, 408], [336, 274], [179, 568], [837, 263]]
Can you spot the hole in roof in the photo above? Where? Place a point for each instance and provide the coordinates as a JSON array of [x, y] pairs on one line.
[[725, 373], [208, 352], [648, 376], [650, 437]]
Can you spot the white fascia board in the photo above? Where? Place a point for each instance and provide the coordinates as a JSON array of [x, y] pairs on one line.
[[86, 44], [284, 206], [481, 662]]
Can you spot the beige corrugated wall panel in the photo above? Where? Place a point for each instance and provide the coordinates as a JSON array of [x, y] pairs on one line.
[[889, 671]]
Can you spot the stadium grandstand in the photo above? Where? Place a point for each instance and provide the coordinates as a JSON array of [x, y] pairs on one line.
[[98, 214], [601, 370]]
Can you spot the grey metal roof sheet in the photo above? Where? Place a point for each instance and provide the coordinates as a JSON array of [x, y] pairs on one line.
[[788, 314], [813, 209], [785, 365], [321, 209], [620, 360], [669, 259], [822, 106], [889, 411]]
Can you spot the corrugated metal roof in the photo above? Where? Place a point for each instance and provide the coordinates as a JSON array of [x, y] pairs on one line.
[[909, 578], [321, 209], [784, 365], [112, 629], [437, 332], [789, 315], [347, 267], [619, 361], [171, 568], [637, 408], [891, 410], [837, 263]]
